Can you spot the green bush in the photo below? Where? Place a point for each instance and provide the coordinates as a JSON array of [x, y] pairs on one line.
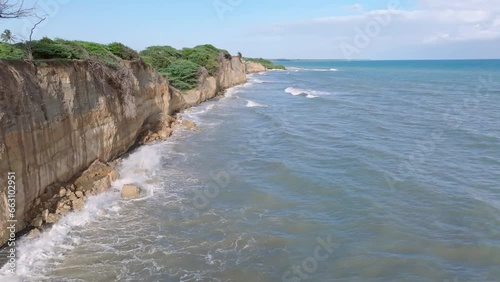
[[55, 49], [181, 66], [11, 51], [72, 50], [160, 57], [182, 74], [267, 63], [122, 51], [204, 55], [98, 51]]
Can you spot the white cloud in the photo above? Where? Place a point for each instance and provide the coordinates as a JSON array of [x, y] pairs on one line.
[[433, 22], [357, 7]]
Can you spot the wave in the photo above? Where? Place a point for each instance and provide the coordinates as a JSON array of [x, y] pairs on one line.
[[308, 92], [252, 104], [302, 69], [332, 69]]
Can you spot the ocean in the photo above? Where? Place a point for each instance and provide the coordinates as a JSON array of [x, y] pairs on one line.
[[326, 171]]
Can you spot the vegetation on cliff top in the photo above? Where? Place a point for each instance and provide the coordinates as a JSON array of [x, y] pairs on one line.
[[181, 67], [268, 64]]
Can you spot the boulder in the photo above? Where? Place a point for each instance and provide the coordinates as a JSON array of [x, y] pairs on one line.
[[188, 124], [79, 194], [96, 178], [130, 191], [45, 214], [62, 192], [52, 218], [164, 133], [72, 196], [77, 204], [37, 222], [62, 208], [35, 232]]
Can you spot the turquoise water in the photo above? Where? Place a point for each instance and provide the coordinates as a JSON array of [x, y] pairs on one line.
[[328, 171]]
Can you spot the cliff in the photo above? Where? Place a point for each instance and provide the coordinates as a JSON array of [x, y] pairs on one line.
[[58, 117], [253, 67]]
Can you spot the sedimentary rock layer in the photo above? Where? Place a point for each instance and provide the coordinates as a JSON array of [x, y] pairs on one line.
[[58, 117]]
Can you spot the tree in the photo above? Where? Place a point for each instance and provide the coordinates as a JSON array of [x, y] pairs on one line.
[[13, 10], [7, 36], [29, 41]]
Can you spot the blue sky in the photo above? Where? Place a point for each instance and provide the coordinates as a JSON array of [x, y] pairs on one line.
[[389, 29]]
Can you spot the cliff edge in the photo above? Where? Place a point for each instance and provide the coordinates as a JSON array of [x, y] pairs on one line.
[[59, 117]]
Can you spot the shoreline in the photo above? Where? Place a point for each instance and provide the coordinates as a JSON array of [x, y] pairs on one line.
[[99, 177], [154, 111]]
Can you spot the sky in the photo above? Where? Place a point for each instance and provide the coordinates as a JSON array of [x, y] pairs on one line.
[[305, 29]]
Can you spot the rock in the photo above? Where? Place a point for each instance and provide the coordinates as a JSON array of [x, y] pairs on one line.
[[52, 218], [63, 208], [72, 196], [35, 232], [38, 202], [37, 222], [188, 124], [77, 204], [130, 191], [253, 67], [164, 133], [62, 192], [68, 193], [45, 214], [97, 177], [79, 194]]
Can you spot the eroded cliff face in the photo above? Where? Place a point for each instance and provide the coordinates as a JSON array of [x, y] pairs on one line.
[[253, 67], [57, 118]]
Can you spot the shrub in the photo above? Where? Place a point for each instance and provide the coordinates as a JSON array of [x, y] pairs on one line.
[[122, 51], [98, 51], [160, 57], [267, 63], [204, 55], [182, 74], [54, 49], [11, 51]]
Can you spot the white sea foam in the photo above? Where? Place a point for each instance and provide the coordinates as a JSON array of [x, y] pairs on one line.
[[308, 92], [231, 92], [302, 69], [332, 69], [34, 254], [252, 104]]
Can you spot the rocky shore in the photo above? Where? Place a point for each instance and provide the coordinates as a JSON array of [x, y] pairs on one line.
[[64, 124]]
